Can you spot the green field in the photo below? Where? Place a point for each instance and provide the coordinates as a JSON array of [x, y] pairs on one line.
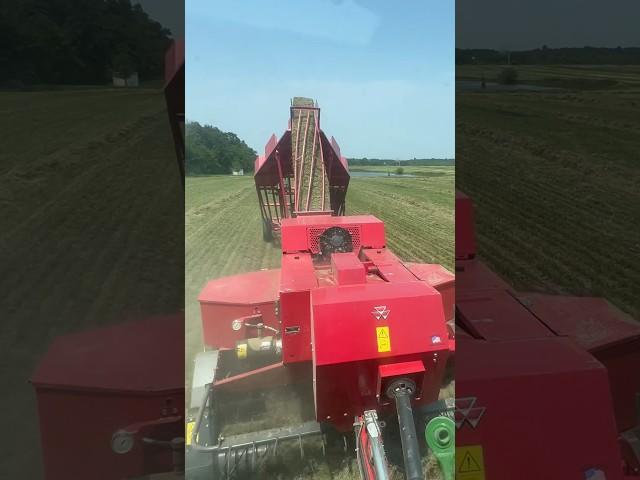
[[620, 76], [223, 235], [89, 204], [554, 176]]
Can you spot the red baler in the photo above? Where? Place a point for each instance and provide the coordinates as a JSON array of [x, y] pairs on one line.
[[342, 318]]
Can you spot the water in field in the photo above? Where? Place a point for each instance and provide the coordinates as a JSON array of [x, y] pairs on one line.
[[379, 174]]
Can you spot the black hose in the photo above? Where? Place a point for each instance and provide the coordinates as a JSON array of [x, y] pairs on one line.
[[410, 449]]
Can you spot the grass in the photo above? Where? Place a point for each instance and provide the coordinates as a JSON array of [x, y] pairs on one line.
[[554, 177], [563, 76], [223, 236], [91, 231]]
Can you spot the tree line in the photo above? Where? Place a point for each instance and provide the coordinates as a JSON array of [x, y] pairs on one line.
[[551, 56], [210, 151], [74, 42], [436, 162]]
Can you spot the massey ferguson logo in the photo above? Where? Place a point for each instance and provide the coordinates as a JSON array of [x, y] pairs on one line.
[[467, 412], [381, 312]]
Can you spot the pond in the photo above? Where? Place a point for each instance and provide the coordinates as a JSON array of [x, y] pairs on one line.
[[379, 174]]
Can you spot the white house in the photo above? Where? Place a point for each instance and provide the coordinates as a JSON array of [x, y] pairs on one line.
[[132, 81]]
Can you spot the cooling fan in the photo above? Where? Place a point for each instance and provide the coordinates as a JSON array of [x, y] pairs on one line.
[[335, 240]]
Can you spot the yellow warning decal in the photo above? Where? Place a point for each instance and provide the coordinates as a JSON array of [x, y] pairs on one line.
[[384, 340], [189, 432], [241, 351], [470, 463]]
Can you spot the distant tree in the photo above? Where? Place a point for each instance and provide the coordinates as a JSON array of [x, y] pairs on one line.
[[399, 171], [77, 41], [508, 76], [210, 151]]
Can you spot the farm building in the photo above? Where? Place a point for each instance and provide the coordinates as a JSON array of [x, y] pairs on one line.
[[131, 81]]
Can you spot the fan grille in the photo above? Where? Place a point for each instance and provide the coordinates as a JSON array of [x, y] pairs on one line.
[[315, 232]]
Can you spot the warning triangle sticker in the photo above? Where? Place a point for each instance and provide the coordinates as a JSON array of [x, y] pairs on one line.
[[382, 333], [469, 464]]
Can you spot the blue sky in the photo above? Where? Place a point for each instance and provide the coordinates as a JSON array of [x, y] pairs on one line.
[[382, 72]]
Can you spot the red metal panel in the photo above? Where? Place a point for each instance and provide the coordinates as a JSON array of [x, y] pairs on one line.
[[347, 350], [496, 315], [344, 321], [226, 299], [541, 409], [296, 238], [266, 169], [253, 288], [347, 269], [137, 357], [87, 421], [439, 278], [592, 322], [413, 370], [610, 335], [298, 273], [295, 314], [298, 278], [473, 276], [388, 266], [90, 385]]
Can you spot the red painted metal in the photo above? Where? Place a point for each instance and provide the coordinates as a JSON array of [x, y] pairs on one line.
[[329, 313], [439, 278], [301, 233], [536, 369], [610, 335], [542, 408], [227, 299], [347, 269], [90, 385]]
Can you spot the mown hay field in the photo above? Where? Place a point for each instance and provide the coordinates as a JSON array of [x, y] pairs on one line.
[[555, 177], [91, 210]]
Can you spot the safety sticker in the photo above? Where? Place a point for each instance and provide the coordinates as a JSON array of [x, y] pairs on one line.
[[470, 463], [384, 340], [241, 351], [189, 432]]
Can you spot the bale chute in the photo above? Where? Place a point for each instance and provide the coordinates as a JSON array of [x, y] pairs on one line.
[[302, 172]]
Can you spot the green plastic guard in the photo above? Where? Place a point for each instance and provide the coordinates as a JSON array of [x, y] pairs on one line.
[[440, 436]]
